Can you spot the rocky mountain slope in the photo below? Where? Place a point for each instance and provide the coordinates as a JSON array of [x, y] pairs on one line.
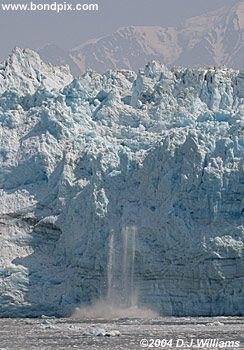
[[118, 183], [215, 38]]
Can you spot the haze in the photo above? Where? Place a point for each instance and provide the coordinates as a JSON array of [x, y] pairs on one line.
[[67, 30]]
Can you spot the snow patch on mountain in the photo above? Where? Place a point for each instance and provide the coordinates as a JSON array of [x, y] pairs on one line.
[[214, 38]]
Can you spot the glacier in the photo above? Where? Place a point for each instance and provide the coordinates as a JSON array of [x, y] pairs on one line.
[[158, 153]]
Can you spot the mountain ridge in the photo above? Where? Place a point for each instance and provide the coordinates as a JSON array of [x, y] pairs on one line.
[[214, 38]]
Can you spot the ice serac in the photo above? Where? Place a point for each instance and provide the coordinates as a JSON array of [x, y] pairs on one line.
[[24, 72], [122, 180]]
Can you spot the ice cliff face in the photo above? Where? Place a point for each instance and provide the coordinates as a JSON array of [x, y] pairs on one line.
[[87, 162]]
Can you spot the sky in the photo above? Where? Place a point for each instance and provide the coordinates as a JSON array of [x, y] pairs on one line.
[[67, 30]]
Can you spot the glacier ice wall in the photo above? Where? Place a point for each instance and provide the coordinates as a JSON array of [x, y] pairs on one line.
[[160, 151]]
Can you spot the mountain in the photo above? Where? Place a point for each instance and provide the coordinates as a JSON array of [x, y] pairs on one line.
[[57, 56], [119, 185], [215, 38], [128, 48]]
